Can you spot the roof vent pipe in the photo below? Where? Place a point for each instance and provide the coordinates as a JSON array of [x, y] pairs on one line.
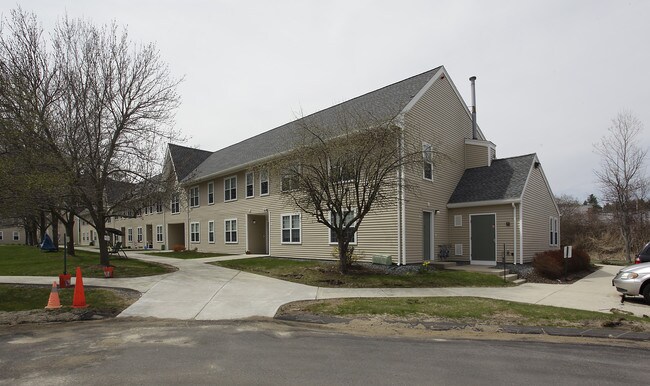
[[473, 80]]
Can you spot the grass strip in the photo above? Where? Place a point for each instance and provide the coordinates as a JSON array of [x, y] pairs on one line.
[[326, 274], [21, 260]]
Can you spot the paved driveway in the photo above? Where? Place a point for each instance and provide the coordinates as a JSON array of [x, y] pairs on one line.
[[206, 292]]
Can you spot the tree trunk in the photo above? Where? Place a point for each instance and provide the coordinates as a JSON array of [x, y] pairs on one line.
[[103, 244], [69, 230], [42, 225], [343, 260], [55, 230]]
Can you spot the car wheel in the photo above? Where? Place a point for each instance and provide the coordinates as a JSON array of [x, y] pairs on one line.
[[646, 293]]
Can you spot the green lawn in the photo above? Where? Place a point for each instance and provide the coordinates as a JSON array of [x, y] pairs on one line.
[[463, 310], [325, 274], [186, 254], [21, 260], [24, 298]]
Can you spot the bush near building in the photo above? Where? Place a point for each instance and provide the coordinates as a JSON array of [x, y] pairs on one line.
[[550, 264]]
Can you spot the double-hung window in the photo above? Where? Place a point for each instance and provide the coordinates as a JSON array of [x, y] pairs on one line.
[[211, 232], [195, 232], [139, 234], [16, 236], [194, 197], [427, 161], [553, 231], [175, 204], [210, 193], [250, 185], [347, 219], [129, 235], [230, 188], [159, 207], [159, 233], [230, 229], [290, 228], [1, 235], [264, 183]]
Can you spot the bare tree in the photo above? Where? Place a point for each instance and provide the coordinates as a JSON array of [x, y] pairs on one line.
[[338, 172], [622, 173], [90, 111], [117, 114]]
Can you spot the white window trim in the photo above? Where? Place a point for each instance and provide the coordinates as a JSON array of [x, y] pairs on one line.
[[231, 178], [211, 232], [129, 235], [290, 215], [211, 185], [329, 234], [458, 220], [2, 236], [268, 183], [176, 199], [252, 184], [161, 234], [236, 230], [196, 225], [554, 225], [197, 196], [16, 236], [138, 234], [458, 250], [425, 161]]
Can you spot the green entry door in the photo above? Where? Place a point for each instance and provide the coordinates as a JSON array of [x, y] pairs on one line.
[[483, 239]]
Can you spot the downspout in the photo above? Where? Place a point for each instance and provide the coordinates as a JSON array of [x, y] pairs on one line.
[[514, 228], [521, 233], [401, 222]]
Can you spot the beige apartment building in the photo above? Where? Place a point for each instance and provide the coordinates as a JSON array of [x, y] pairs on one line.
[[468, 206]]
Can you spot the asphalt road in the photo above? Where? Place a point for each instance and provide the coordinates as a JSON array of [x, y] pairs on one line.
[[269, 353]]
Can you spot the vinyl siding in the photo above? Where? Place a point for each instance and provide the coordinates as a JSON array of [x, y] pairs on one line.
[[504, 234], [476, 156], [438, 118], [538, 207], [376, 235]]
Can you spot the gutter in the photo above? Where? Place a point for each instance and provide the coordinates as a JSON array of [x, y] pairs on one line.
[[484, 203]]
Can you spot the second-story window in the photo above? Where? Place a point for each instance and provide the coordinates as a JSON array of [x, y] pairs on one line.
[[250, 181], [230, 188], [264, 183], [427, 161], [210, 193], [175, 204], [194, 197]]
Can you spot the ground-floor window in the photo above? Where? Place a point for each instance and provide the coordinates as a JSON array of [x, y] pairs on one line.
[[195, 230], [159, 233], [291, 229], [230, 227], [1, 235], [347, 218], [16, 236], [211, 231], [139, 234], [129, 235]]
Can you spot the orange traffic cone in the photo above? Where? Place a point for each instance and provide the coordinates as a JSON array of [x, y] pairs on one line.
[[79, 299], [54, 301]]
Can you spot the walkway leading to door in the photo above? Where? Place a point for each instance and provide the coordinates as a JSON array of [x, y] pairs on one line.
[[206, 292]]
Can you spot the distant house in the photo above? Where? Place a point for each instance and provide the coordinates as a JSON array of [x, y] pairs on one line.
[[471, 206], [11, 232]]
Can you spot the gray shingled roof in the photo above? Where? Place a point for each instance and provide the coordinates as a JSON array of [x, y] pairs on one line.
[[503, 180], [379, 105], [186, 159]]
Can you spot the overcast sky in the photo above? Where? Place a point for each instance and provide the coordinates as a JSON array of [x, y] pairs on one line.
[[550, 74]]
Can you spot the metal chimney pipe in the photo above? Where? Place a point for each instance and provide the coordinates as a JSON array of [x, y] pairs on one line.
[[473, 80]]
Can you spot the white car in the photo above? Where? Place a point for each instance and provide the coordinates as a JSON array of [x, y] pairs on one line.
[[634, 280]]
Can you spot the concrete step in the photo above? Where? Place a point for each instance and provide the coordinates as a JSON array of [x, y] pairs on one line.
[[442, 264], [511, 277], [519, 281]]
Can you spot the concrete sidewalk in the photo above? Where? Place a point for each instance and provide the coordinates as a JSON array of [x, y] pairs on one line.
[[206, 292]]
